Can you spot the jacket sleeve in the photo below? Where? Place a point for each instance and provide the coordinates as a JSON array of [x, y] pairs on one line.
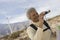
[[33, 34], [39, 34]]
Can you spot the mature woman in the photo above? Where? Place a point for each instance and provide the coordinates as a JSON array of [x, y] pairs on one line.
[[38, 21]]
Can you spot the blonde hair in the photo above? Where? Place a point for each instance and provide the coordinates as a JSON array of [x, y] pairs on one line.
[[29, 11]]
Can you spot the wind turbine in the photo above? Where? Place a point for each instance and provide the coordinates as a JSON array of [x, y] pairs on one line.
[[8, 21], [9, 25]]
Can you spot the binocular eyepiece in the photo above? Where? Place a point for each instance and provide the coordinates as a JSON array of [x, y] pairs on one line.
[[47, 12]]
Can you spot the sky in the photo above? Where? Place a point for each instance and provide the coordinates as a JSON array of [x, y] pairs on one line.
[[15, 10]]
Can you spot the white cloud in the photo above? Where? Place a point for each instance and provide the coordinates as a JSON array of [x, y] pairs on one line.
[[12, 1], [14, 19], [40, 5], [18, 19], [3, 12]]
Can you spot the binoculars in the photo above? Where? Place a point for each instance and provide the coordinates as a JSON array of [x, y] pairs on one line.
[[47, 12]]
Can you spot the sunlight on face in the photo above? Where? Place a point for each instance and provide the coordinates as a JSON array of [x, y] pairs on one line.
[[34, 16]]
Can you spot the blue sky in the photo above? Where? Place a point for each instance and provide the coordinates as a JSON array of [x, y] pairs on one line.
[[15, 10]]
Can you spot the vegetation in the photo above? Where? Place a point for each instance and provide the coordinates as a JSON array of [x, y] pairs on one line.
[[59, 27], [15, 35]]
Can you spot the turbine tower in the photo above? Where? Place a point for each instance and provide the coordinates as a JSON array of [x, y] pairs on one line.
[[9, 25]]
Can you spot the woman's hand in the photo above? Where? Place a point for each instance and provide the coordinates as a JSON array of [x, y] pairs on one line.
[[41, 19]]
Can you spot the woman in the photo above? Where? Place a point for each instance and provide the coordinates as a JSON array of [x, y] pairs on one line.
[[38, 21]]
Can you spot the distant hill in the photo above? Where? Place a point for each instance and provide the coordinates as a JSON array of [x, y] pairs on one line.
[[4, 29], [22, 35]]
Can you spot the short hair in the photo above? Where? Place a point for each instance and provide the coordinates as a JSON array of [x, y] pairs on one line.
[[29, 11]]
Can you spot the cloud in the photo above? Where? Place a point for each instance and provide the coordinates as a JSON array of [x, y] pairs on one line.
[[20, 18], [16, 9], [7, 1]]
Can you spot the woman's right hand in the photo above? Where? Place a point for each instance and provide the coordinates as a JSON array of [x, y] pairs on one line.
[[41, 19]]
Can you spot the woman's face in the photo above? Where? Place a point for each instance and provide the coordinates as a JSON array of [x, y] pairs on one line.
[[34, 16]]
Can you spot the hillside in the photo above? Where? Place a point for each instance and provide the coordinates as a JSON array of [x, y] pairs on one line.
[[14, 26], [22, 35]]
